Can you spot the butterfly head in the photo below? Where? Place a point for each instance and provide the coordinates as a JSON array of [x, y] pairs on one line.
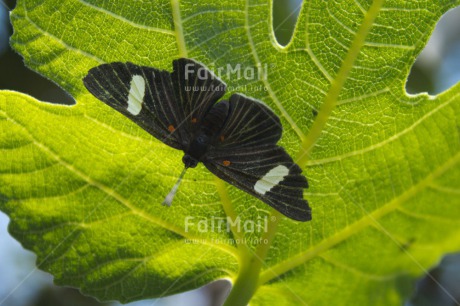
[[189, 161]]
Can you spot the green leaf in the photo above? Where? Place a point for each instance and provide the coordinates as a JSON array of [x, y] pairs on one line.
[[83, 185]]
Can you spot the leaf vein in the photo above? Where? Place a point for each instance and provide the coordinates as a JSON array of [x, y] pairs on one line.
[[113, 194], [264, 78], [132, 23], [359, 225], [386, 141]]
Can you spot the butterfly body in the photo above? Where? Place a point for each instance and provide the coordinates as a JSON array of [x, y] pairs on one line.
[[235, 139]]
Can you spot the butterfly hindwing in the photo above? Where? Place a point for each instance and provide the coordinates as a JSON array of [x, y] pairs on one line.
[[143, 94], [266, 172], [197, 90]]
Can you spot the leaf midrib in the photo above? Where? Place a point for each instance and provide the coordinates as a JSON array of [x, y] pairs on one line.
[[327, 107]]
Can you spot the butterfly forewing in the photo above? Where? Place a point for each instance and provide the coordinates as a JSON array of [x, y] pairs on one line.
[[246, 155], [249, 124], [266, 172], [143, 94], [197, 90]]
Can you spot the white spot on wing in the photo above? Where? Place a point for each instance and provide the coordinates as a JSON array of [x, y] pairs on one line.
[[136, 94], [271, 179]]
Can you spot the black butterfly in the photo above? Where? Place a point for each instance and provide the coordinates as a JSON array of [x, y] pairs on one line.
[[235, 139]]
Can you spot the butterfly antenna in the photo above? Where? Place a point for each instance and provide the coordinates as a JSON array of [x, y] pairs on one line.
[[169, 198]]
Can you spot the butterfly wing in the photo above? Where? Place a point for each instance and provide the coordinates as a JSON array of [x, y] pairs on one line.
[[143, 94], [197, 89], [250, 123], [246, 156], [266, 172]]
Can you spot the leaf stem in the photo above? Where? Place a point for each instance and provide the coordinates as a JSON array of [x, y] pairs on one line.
[[251, 262], [230, 212]]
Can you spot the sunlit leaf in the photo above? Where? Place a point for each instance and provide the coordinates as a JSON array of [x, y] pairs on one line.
[[83, 184]]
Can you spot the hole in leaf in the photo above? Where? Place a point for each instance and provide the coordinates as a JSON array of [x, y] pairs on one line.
[[16, 76], [437, 68], [285, 13]]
